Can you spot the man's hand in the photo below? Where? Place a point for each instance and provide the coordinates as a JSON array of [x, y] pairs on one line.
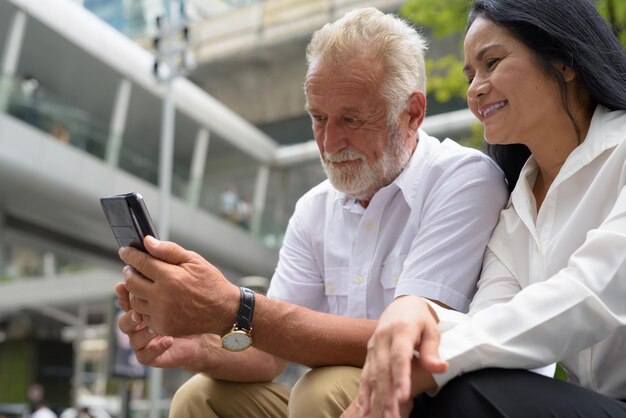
[[390, 378], [177, 292], [197, 353], [191, 353]]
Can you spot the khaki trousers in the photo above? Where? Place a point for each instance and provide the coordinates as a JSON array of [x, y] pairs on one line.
[[324, 392]]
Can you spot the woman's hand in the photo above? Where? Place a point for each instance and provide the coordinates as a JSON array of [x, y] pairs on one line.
[[353, 410], [390, 377]]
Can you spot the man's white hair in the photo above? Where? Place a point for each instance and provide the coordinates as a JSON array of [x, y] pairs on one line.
[[370, 33]]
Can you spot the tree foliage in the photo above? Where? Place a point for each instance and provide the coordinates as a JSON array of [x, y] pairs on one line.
[[614, 11], [446, 19]]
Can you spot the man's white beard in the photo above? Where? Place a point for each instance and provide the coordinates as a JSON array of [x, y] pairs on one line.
[[362, 180]]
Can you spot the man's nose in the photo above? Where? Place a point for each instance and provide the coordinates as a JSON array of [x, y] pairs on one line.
[[334, 137]]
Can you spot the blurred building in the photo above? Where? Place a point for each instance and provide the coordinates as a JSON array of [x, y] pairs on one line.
[[80, 112]]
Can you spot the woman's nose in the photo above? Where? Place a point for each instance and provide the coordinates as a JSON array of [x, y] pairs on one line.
[[478, 87]]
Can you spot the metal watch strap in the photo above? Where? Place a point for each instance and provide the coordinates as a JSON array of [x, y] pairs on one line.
[[246, 309]]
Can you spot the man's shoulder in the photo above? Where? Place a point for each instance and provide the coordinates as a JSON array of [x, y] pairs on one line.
[[450, 156], [448, 152]]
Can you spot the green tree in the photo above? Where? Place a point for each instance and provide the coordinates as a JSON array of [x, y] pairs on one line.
[[614, 11], [446, 19]]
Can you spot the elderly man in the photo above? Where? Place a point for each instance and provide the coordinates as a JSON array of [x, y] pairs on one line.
[[401, 213]]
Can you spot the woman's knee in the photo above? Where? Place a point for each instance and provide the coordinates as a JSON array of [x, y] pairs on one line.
[[474, 394]]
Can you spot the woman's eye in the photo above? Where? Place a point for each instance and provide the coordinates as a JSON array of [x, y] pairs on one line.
[[491, 62]]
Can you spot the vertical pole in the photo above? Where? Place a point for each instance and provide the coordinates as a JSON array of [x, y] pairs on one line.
[[260, 195], [11, 56], [3, 245], [79, 375], [198, 162], [118, 122], [126, 391], [281, 199], [166, 155]]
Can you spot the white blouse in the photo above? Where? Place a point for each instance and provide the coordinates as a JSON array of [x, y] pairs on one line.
[[553, 286]]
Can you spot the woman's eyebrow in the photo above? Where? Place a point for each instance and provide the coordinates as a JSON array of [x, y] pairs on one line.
[[481, 54]]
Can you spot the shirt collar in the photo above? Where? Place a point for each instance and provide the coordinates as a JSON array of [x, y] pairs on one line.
[[605, 132], [404, 182]]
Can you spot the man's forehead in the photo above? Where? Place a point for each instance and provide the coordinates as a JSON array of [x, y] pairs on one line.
[[347, 90], [312, 107]]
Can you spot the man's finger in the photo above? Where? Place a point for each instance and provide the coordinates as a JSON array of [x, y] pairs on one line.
[[163, 255], [130, 322], [123, 296], [149, 355], [167, 251], [140, 339], [140, 306], [138, 285]]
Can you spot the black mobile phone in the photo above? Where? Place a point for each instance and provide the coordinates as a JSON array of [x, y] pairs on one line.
[[129, 219]]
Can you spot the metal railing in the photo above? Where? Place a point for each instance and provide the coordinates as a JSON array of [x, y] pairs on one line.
[[33, 104]]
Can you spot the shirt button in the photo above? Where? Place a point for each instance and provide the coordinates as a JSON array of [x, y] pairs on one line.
[[368, 225], [395, 279], [330, 288], [358, 280]]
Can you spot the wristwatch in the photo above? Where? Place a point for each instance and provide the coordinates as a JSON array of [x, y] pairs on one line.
[[240, 336]]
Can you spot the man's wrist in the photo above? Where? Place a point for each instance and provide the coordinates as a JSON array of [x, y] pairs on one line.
[[239, 337], [230, 310]]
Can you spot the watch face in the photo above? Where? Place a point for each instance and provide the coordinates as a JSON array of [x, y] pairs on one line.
[[236, 340]]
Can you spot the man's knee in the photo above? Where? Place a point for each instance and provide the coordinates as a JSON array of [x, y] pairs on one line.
[[325, 390], [192, 398], [202, 396]]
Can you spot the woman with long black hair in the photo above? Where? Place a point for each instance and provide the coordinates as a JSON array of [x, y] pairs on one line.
[[547, 79]]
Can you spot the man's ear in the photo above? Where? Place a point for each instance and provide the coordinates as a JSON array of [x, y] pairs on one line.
[[416, 108]]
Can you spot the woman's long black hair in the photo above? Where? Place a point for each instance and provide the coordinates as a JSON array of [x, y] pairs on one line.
[[567, 31]]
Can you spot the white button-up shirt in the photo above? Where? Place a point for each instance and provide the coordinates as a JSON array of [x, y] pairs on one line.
[[423, 234], [553, 286]]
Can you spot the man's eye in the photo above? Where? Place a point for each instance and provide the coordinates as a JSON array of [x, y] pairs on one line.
[[350, 120], [317, 118]]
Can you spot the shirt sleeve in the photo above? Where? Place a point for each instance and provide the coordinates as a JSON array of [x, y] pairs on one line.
[[546, 321], [298, 276], [456, 222]]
